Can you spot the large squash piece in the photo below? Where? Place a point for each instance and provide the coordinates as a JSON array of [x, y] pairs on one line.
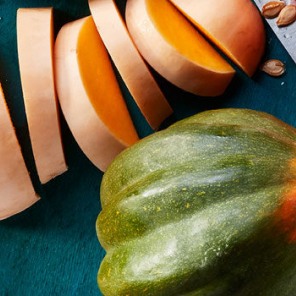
[[205, 207], [89, 94], [235, 26], [35, 51], [175, 49], [131, 66], [16, 190]]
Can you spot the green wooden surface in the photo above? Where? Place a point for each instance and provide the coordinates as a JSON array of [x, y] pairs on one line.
[[52, 249]]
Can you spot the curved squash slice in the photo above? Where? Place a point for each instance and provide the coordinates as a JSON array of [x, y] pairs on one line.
[[172, 46], [129, 63], [35, 51], [16, 189], [235, 26], [89, 95]]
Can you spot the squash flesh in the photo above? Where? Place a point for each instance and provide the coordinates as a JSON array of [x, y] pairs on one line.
[[241, 36], [133, 70], [99, 78], [16, 189], [198, 75], [99, 138], [182, 35], [35, 53]]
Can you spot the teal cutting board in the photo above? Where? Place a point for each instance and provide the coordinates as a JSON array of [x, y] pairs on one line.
[[52, 248]]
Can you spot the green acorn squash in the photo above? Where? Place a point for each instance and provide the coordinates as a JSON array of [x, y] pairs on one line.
[[206, 207]]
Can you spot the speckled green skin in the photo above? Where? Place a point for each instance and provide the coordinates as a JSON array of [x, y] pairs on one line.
[[193, 210]]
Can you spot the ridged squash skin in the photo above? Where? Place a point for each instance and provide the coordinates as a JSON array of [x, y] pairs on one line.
[[206, 207]]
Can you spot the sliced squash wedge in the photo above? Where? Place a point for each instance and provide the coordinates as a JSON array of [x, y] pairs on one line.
[[35, 52], [129, 62], [235, 26], [172, 46], [89, 94], [16, 189]]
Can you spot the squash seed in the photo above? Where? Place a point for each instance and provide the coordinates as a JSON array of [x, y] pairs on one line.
[[287, 16], [272, 9], [273, 67]]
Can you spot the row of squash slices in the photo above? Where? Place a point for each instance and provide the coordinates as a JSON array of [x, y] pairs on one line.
[[75, 72]]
